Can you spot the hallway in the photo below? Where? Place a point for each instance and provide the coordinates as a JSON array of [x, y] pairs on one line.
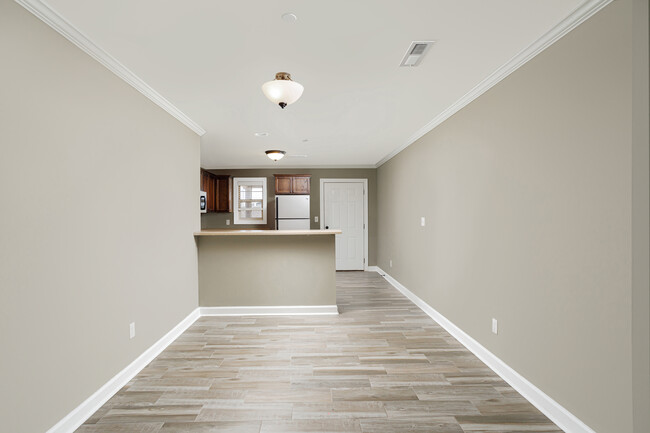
[[381, 365]]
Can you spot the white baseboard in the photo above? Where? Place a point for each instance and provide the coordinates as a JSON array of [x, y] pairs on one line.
[[82, 412], [549, 407], [291, 310], [85, 410]]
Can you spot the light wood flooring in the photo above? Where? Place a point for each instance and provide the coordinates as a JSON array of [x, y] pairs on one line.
[[382, 365]]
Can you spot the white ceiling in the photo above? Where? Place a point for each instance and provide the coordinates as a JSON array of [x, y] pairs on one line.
[[210, 57]]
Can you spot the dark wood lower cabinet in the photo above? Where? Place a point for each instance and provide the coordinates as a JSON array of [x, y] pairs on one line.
[[218, 189]]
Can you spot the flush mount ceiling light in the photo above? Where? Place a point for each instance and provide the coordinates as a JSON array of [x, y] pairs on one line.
[[275, 155], [261, 134], [289, 17], [282, 91]]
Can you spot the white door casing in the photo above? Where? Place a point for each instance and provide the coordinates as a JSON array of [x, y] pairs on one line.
[[344, 206]]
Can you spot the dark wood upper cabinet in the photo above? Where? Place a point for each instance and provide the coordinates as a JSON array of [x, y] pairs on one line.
[[297, 184], [224, 193], [282, 184], [300, 185], [218, 190]]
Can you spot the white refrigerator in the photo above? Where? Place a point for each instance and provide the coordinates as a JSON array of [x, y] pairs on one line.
[[292, 212]]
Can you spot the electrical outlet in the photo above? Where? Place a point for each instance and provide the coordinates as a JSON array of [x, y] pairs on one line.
[[315, 219], [390, 263], [131, 330], [227, 222], [422, 221], [495, 326]]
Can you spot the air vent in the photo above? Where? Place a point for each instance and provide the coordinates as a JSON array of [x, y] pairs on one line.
[[416, 52]]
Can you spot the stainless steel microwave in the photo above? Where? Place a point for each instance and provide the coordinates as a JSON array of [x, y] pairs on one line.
[[204, 202]]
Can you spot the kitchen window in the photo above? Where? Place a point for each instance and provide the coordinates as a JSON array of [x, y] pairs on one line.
[[250, 200]]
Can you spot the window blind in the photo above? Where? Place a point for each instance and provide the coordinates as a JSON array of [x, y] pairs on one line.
[[251, 202]]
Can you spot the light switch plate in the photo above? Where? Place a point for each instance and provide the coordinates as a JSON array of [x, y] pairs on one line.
[[495, 326], [422, 221], [131, 330], [315, 219], [227, 222]]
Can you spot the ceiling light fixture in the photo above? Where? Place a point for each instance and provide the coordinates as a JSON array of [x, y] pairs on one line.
[[261, 134], [289, 17], [282, 91], [275, 155]]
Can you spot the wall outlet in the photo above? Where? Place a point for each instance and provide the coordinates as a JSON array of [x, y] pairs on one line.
[[390, 263], [131, 330], [315, 219], [422, 221], [495, 326], [227, 222]]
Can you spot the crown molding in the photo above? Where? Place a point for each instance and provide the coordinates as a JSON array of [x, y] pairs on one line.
[[292, 167], [583, 12], [50, 17]]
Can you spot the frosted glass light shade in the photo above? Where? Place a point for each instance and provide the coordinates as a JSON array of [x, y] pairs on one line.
[[282, 90], [275, 155]]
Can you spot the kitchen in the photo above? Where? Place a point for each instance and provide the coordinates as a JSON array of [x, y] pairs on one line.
[[231, 244]]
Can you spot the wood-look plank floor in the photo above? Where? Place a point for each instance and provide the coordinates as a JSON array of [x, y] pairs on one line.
[[381, 366]]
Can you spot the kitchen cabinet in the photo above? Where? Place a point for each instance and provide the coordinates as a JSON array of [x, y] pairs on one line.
[[282, 185], [295, 184], [224, 193], [218, 189]]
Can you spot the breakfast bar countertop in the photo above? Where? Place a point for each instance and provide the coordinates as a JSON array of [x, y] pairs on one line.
[[235, 232]]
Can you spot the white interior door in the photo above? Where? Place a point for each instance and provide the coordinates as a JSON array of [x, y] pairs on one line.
[[343, 204]]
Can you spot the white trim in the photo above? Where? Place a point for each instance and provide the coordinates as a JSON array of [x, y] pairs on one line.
[[85, 410], [549, 407], [290, 310], [365, 211], [584, 11], [279, 166], [374, 269], [250, 181], [52, 18]]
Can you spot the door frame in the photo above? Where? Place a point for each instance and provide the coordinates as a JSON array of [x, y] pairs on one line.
[[364, 181]]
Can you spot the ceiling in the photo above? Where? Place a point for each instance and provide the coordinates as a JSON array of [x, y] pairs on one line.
[[210, 57]]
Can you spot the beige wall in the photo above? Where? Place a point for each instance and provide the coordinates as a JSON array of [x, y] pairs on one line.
[[218, 220], [266, 270], [528, 198], [640, 218], [98, 197]]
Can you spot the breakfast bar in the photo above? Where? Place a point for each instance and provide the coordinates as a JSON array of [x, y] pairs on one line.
[[267, 271]]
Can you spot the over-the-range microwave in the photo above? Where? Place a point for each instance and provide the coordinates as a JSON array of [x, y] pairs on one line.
[[204, 202]]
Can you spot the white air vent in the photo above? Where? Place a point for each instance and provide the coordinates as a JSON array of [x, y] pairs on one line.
[[416, 52]]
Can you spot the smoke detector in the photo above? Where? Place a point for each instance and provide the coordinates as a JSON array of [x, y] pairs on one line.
[[416, 52]]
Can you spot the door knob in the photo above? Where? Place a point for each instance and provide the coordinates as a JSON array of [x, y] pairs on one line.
[[327, 227]]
